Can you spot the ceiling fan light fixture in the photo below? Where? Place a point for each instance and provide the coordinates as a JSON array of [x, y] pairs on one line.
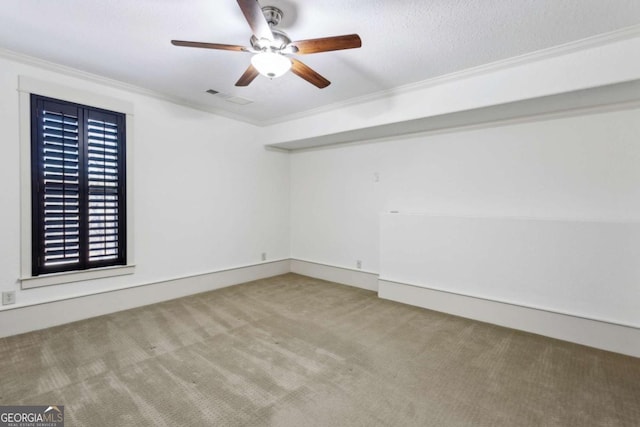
[[271, 46], [271, 64]]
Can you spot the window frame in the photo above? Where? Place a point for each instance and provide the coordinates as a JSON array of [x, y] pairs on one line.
[[26, 87], [84, 114]]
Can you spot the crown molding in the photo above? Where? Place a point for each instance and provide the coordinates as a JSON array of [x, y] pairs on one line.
[[527, 58], [117, 84], [555, 51]]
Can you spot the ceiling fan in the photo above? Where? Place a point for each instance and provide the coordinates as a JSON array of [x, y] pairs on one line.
[[272, 46]]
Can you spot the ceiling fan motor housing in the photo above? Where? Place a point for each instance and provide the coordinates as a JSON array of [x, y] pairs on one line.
[[273, 16], [279, 42]]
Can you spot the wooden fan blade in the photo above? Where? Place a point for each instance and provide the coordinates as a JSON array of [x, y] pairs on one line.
[[326, 44], [301, 70], [209, 45], [254, 16], [248, 76]]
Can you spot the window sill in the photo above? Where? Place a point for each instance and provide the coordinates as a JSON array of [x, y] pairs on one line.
[[75, 276]]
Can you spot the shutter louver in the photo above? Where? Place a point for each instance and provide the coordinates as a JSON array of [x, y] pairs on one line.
[[60, 190], [103, 164]]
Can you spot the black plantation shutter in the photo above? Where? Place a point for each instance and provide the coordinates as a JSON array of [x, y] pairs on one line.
[[78, 207], [104, 161], [56, 176]]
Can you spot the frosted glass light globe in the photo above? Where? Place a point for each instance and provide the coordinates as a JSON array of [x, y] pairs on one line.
[[271, 64]]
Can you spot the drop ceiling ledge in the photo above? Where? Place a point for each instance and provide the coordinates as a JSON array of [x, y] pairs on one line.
[[609, 97]]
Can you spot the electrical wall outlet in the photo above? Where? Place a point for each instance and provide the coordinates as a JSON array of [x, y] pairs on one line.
[[359, 264], [264, 256], [8, 297]]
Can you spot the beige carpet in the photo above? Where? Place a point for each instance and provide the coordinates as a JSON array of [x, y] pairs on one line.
[[295, 351]]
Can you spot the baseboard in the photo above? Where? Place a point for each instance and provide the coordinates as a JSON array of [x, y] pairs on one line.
[[589, 332], [593, 333], [45, 315], [345, 276]]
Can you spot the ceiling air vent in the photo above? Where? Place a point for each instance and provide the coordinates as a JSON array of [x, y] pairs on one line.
[[230, 98]]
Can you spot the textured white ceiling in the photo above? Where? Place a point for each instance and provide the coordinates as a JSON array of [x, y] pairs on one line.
[[404, 41]]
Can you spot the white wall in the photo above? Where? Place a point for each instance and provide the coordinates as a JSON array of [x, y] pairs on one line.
[[571, 169], [582, 167], [207, 195], [585, 269]]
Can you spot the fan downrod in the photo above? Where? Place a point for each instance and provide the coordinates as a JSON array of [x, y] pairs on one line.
[[272, 14]]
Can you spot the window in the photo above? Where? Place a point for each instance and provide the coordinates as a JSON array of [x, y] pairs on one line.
[[78, 187]]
